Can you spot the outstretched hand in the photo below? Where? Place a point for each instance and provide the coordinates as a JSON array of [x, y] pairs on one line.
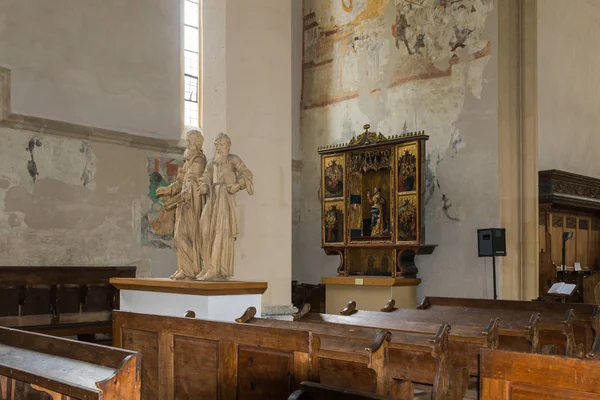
[[234, 188], [163, 191]]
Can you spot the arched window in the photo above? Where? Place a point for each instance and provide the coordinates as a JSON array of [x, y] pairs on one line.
[[192, 52]]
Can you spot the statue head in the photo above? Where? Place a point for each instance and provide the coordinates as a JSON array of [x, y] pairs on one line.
[[222, 144], [195, 140]]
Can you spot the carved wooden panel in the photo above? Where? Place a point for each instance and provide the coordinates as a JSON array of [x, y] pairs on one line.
[[195, 376], [145, 343], [264, 374]]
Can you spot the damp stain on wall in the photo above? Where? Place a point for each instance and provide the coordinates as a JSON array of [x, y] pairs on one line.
[[31, 165]]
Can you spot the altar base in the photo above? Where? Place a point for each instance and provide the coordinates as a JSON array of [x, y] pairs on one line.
[[369, 293], [219, 301]]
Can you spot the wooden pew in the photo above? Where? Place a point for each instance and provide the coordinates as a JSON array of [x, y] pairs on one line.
[[510, 375], [464, 341], [191, 358], [35, 366], [317, 391], [60, 301], [413, 357], [555, 318]]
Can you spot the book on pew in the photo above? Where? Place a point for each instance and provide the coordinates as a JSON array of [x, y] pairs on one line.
[[561, 288]]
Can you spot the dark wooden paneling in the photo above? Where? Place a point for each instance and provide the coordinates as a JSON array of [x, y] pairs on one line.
[[306, 293], [61, 301], [195, 377], [145, 343], [264, 374], [347, 375]]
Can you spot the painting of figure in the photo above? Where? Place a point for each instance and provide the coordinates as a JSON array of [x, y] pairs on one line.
[[334, 177], [334, 222], [407, 218], [407, 168]]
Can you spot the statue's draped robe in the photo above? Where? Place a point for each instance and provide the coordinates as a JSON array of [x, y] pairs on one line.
[[218, 221], [187, 215]]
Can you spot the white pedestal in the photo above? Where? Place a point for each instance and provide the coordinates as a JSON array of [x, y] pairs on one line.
[[218, 301]]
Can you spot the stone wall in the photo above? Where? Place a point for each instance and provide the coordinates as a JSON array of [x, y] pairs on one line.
[[405, 66]]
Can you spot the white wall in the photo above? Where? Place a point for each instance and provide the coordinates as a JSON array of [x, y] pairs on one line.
[[569, 85], [259, 122], [105, 63]]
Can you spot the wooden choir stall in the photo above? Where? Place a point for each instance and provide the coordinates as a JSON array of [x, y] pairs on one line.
[[569, 219], [373, 201]]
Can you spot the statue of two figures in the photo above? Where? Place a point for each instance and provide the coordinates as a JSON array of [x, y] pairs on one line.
[[203, 196]]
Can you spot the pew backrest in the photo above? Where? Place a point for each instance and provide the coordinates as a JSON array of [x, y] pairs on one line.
[[510, 375], [32, 362]]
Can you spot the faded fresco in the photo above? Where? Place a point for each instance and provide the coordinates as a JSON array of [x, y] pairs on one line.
[[376, 51], [157, 223], [405, 66]]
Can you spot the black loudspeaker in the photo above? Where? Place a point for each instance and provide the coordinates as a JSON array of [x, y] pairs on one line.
[[491, 242]]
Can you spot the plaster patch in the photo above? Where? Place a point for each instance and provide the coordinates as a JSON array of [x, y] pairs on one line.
[[4, 184], [13, 221], [51, 206]]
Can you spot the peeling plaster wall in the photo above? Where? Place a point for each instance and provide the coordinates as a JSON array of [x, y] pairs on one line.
[[568, 86], [115, 64], [364, 64], [111, 64], [60, 219]]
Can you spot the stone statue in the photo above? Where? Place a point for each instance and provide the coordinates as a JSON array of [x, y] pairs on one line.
[[224, 176], [184, 196]]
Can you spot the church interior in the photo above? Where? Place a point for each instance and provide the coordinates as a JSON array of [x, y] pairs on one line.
[[299, 199]]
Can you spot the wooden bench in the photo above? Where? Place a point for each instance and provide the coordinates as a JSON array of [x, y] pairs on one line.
[[413, 357], [36, 366], [464, 341], [510, 375], [558, 325], [61, 301], [191, 358]]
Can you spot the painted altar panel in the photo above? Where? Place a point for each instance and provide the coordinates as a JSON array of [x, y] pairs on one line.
[[407, 173], [333, 177], [378, 215], [370, 196], [371, 261], [408, 218], [333, 222]]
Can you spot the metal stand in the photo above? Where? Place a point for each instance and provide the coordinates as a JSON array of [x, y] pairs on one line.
[[494, 272], [564, 259]]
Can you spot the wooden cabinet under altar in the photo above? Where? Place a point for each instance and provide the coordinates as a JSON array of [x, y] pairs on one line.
[[372, 199]]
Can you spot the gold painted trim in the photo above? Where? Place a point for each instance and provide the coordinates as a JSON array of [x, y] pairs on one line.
[[75, 131]]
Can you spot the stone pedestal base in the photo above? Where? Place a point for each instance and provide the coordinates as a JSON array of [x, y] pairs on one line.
[[370, 294], [219, 301]]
